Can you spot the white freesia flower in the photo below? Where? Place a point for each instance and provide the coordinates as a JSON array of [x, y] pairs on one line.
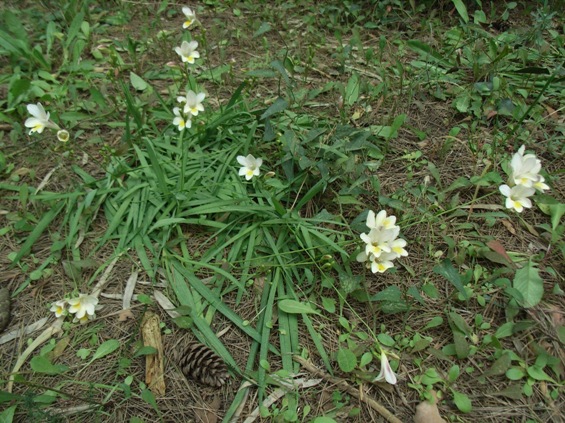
[[250, 166], [540, 184], [397, 247], [380, 220], [381, 243], [524, 169], [378, 241], [59, 308], [179, 121], [386, 372], [83, 305], [193, 102], [187, 51], [517, 197], [39, 120], [84, 319], [190, 17]]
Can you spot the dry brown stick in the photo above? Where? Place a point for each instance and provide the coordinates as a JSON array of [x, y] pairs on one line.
[[342, 384]]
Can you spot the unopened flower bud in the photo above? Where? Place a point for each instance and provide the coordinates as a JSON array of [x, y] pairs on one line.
[[63, 135]]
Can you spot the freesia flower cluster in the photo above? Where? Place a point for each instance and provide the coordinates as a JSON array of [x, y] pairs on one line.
[[382, 244], [523, 181], [40, 120], [82, 308], [191, 104]]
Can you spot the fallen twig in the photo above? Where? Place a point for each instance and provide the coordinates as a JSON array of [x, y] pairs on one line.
[[342, 384]]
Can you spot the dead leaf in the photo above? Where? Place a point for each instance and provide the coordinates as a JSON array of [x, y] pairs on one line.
[[509, 226], [125, 314], [496, 246], [60, 347], [208, 413], [154, 365], [427, 413]]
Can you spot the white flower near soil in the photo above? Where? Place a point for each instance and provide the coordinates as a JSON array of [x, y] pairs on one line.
[[540, 184], [83, 306], [59, 308], [377, 241], [193, 102], [189, 15], [380, 220], [39, 120], [187, 51], [179, 121], [250, 166], [382, 244], [517, 197], [386, 372], [524, 169]]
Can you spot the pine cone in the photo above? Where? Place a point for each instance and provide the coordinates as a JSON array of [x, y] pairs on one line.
[[201, 364]]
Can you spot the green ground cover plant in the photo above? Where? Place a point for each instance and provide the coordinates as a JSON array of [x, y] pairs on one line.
[[357, 207]]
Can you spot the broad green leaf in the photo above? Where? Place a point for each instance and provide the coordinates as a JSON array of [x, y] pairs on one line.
[[352, 90], [461, 9], [138, 82], [461, 344], [530, 285], [106, 348], [505, 330], [454, 373], [346, 360], [462, 402], [538, 374], [366, 358], [323, 420], [264, 27], [296, 307], [149, 398], [515, 373], [435, 322], [460, 323], [328, 304], [145, 350], [41, 364], [446, 269], [278, 106], [429, 53], [500, 366], [7, 416]]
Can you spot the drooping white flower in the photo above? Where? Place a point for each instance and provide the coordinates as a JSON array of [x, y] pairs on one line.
[[190, 17], [179, 121], [193, 102], [250, 166], [187, 51], [59, 308], [524, 169], [380, 220], [386, 372], [83, 305], [517, 196], [39, 120]]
